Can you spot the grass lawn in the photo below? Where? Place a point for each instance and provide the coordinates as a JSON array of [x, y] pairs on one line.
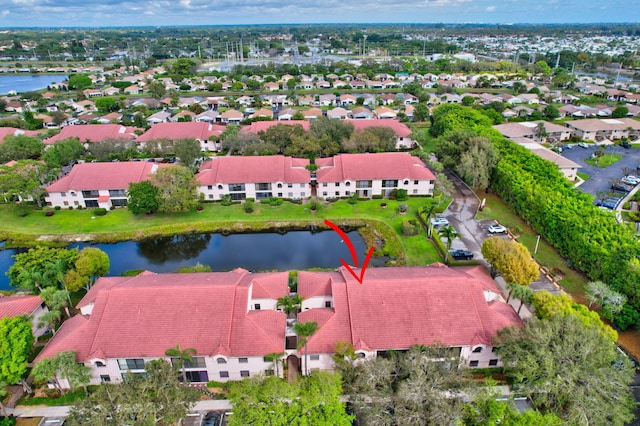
[[120, 225], [572, 281], [604, 161], [583, 175]]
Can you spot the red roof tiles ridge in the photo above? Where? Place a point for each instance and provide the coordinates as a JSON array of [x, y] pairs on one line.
[[343, 272], [233, 309]]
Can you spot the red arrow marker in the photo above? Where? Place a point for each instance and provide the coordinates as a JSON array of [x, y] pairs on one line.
[[352, 249]]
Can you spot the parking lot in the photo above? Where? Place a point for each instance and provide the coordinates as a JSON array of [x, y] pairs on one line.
[[600, 179]]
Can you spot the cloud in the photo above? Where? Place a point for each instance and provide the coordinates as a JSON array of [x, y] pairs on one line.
[[490, 9]]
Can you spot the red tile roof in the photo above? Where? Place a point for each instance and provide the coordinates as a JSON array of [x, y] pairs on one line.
[[142, 316], [254, 169], [13, 306], [94, 133], [6, 131], [259, 126], [96, 176], [173, 131], [384, 165], [401, 129], [396, 308]]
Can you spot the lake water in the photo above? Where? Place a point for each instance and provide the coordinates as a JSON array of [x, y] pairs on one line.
[[26, 82], [254, 252]]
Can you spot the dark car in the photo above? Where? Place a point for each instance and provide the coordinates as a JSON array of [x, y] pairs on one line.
[[461, 254], [621, 186]]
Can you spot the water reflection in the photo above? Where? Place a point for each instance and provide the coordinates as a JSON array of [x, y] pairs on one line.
[[175, 248]]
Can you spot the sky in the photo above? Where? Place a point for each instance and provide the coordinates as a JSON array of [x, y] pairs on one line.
[[93, 13]]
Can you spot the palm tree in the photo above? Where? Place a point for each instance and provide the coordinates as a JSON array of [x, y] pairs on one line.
[[304, 330], [55, 272], [522, 293], [290, 304], [426, 211], [450, 234], [184, 356], [275, 357], [30, 278]]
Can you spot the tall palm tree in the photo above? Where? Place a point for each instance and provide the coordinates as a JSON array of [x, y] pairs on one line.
[[55, 273], [522, 293], [304, 330], [426, 211], [184, 356], [450, 234], [275, 357]]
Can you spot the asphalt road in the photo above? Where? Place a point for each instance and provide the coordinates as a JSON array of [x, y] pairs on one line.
[[600, 179]]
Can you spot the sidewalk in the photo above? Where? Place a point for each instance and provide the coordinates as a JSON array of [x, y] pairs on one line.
[[63, 411]]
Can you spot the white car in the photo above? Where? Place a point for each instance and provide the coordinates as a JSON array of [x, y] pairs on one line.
[[497, 229], [631, 180], [439, 221]]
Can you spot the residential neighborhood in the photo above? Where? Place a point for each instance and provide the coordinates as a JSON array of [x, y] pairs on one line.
[[243, 220]]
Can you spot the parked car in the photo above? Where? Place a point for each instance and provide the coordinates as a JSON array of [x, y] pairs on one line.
[[583, 145], [626, 144], [631, 180], [621, 186], [461, 254], [212, 419], [609, 203], [497, 229], [439, 221]]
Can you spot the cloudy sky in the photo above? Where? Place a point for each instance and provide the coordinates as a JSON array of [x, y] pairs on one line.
[[94, 13]]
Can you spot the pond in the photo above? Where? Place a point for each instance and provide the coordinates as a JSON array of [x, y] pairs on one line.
[[254, 252], [21, 83]]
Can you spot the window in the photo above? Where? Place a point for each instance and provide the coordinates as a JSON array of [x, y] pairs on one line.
[[224, 374], [327, 304], [66, 203], [279, 194], [268, 372], [302, 194], [494, 350], [75, 203], [348, 193], [337, 193], [493, 362], [406, 182], [90, 194], [477, 350], [289, 185], [415, 191], [324, 184], [209, 187], [105, 378], [63, 194], [117, 192], [361, 355], [220, 187], [263, 186], [347, 184], [473, 363], [238, 196], [302, 185], [236, 187], [337, 184], [244, 373], [324, 193], [100, 364], [256, 306], [198, 362], [314, 357], [131, 364], [221, 361], [243, 360], [211, 196], [279, 185], [415, 182], [197, 376]]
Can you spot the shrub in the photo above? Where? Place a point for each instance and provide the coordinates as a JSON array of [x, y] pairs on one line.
[[248, 207], [100, 211], [402, 208], [401, 195], [410, 228], [273, 201], [377, 197], [70, 207], [353, 200], [112, 208], [626, 206], [226, 200], [49, 213], [57, 208], [250, 200]]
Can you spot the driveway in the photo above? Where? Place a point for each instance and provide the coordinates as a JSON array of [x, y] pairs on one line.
[[472, 233], [600, 178]]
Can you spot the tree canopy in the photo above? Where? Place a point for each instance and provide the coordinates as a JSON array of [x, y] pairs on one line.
[[16, 340], [311, 400], [570, 369], [156, 398], [511, 259], [176, 189], [143, 198]]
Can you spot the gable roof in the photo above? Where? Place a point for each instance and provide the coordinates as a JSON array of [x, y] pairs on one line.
[[13, 306], [6, 131], [254, 169], [142, 316], [383, 165], [95, 176], [179, 130], [94, 133], [396, 308]]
